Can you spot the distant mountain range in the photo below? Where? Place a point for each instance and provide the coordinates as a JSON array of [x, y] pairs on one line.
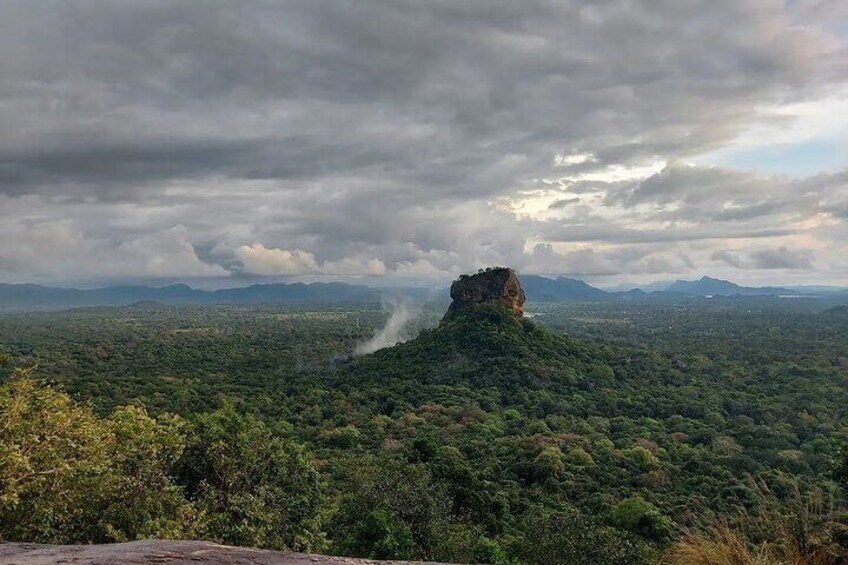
[[543, 289], [560, 289], [29, 297], [707, 286], [35, 297]]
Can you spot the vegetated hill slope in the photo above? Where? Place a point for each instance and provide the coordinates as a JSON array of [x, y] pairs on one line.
[[490, 359], [840, 312], [162, 551], [486, 346]]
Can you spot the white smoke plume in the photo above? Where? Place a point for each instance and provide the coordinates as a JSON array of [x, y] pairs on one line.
[[402, 311]]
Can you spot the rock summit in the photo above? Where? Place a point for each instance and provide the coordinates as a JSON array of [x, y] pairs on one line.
[[492, 286]]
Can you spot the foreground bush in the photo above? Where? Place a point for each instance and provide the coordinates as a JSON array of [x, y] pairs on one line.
[[721, 545], [68, 476], [803, 532]]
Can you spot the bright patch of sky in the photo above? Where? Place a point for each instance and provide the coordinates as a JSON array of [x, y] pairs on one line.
[[798, 160], [798, 140]]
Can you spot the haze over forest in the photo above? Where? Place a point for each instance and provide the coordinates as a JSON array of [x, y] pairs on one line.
[[225, 143]]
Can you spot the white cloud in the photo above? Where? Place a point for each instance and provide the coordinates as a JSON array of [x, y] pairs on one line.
[[50, 251], [354, 266], [561, 160], [260, 260], [420, 268]]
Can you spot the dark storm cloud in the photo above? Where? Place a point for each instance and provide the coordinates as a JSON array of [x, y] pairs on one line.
[[110, 168], [613, 233], [560, 204], [480, 81], [713, 194], [732, 259], [780, 258], [381, 129]]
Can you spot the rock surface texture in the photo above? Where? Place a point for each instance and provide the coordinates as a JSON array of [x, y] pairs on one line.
[[160, 551], [497, 285]]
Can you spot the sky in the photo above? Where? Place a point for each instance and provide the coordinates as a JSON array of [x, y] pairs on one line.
[[400, 141]]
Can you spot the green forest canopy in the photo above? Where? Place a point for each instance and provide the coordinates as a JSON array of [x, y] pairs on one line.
[[488, 439]]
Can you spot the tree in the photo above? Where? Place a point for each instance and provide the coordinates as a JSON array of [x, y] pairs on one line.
[[639, 516], [405, 497], [380, 535], [255, 488], [568, 537], [52, 458], [550, 463], [67, 476], [144, 501]]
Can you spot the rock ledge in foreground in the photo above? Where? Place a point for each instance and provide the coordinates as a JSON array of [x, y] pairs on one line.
[[162, 551]]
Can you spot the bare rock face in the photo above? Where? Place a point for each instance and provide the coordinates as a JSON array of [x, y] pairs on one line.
[[495, 285], [170, 552]]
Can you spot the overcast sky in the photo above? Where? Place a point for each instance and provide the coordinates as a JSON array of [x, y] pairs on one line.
[[397, 140]]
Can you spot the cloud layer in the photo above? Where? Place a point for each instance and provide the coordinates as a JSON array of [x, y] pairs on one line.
[[405, 139]]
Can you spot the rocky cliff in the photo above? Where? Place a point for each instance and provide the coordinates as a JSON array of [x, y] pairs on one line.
[[495, 285]]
